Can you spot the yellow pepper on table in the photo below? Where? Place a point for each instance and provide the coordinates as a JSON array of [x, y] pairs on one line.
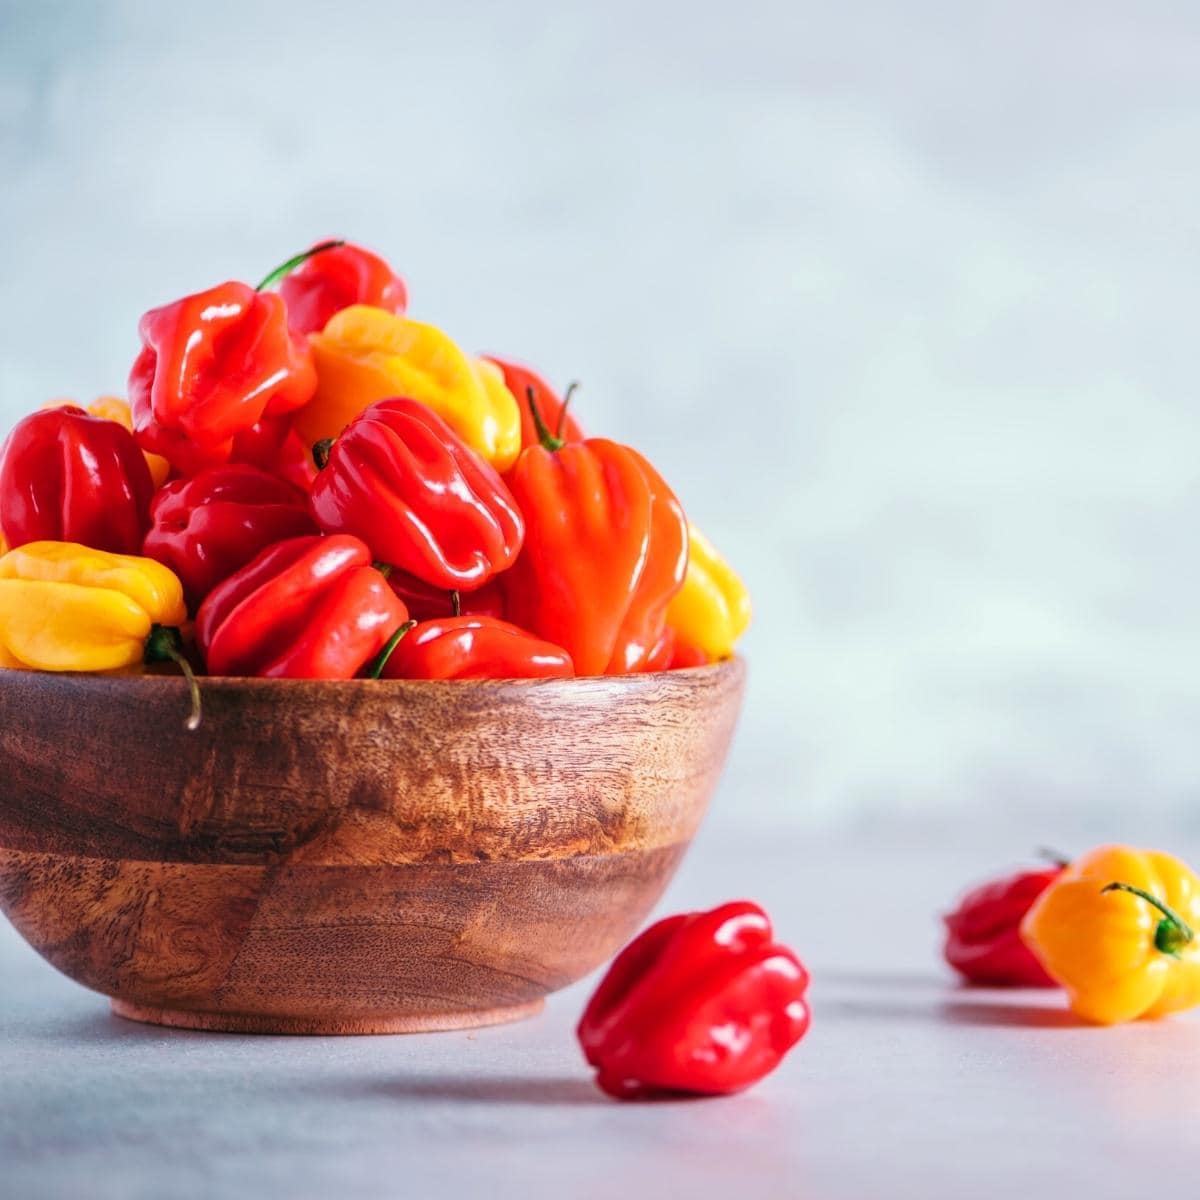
[[712, 609], [65, 607], [365, 354], [1118, 930], [113, 408]]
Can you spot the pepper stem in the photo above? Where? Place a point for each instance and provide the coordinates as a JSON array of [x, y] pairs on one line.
[[376, 665], [384, 568], [544, 435], [320, 452], [1056, 857], [292, 263], [166, 645], [1173, 932], [562, 412], [456, 603]]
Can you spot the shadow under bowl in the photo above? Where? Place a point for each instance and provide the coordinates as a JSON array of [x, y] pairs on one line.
[[347, 856]]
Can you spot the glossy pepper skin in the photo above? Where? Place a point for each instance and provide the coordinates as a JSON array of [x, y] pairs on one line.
[[983, 934], [1119, 955], [470, 647], [71, 477], [213, 365], [712, 609], [424, 601], [605, 551], [207, 527], [336, 279], [66, 607], [403, 481], [113, 408], [306, 608], [520, 381], [704, 1003], [274, 446], [365, 354]]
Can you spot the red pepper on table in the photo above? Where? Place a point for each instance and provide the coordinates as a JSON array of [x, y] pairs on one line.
[[306, 608], [469, 647], [983, 940], [704, 1003], [401, 479], [207, 527], [66, 476], [553, 410], [606, 548], [213, 365], [336, 279]]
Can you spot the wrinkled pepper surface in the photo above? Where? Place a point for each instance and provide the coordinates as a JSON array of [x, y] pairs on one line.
[[424, 601], [306, 608], [365, 354], [213, 365], [606, 549], [983, 934], [113, 408], [335, 279], [207, 527], [471, 647], [401, 479], [1117, 930], [712, 609], [67, 476], [703, 1003]]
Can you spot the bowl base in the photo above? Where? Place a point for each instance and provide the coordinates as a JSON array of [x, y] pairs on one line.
[[219, 1022]]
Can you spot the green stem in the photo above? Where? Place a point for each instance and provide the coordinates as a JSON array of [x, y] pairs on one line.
[[384, 568], [292, 263], [544, 435], [562, 412], [166, 645], [1173, 932], [376, 665], [320, 452]]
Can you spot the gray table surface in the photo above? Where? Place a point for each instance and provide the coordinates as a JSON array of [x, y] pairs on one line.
[[907, 1085]]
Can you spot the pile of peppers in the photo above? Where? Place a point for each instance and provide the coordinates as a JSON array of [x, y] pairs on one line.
[[306, 482]]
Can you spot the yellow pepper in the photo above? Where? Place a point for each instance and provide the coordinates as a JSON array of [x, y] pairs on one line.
[[65, 607], [113, 408], [365, 354], [1116, 929], [712, 609]]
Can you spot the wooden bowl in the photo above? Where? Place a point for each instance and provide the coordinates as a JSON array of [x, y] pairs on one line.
[[347, 857]]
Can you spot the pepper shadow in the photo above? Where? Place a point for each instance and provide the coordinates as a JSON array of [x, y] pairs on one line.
[[521, 1090], [1014, 1015]]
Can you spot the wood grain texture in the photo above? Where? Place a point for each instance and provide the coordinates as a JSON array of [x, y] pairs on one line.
[[347, 856]]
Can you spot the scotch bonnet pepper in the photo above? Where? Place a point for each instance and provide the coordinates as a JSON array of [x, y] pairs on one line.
[[305, 608], [68, 476], [213, 365], [207, 527], [66, 607], [113, 408], [521, 381], [402, 480], [365, 354], [606, 549], [703, 1003], [1118, 930], [711, 611], [335, 279], [983, 934], [472, 647]]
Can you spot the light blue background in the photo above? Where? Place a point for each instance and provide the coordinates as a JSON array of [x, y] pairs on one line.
[[901, 297]]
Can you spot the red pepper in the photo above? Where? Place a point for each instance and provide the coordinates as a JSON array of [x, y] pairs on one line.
[[336, 279], [66, 476], [470, 647], [307, 608], [685, 655], [214, 365], [703, 1002], [401, 479], [274, 445], [553, 410], [207, 527], [983, 940], [605, 550], [425, 602]]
